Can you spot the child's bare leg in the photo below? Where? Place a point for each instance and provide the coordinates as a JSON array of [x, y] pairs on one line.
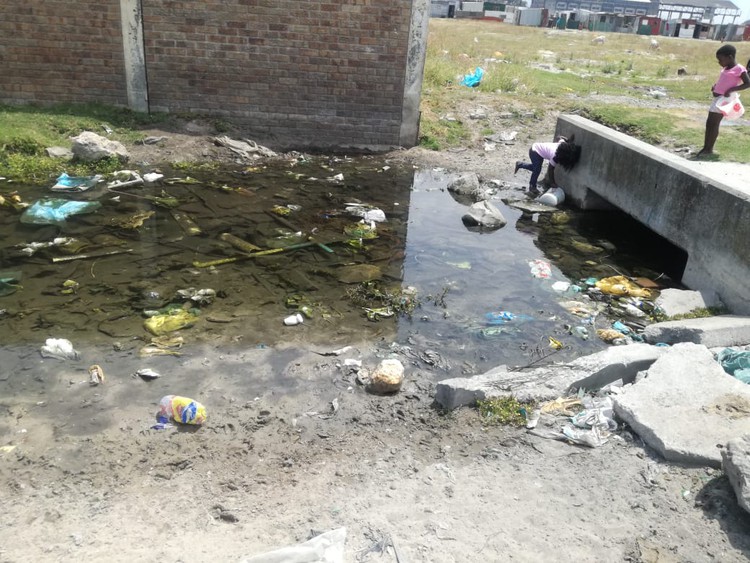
[[712, 132]]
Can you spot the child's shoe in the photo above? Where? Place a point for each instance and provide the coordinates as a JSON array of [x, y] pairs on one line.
[[518, 165]]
